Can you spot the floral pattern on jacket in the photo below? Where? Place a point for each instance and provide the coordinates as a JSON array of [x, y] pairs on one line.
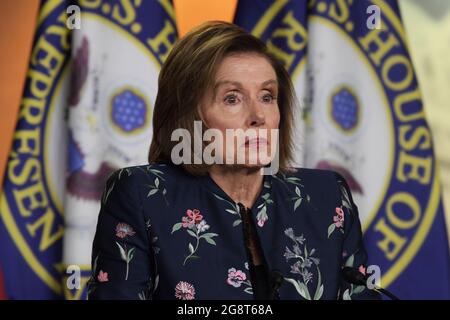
[[164, 234]]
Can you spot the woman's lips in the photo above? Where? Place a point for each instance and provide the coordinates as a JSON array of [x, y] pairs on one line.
[[255, 142]]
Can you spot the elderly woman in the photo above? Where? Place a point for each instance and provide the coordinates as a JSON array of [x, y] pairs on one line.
[[223, 230]]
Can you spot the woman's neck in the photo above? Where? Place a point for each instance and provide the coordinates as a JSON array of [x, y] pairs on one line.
[[240, 184]]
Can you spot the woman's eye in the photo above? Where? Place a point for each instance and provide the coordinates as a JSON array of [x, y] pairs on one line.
[[231, 99], [268, 98]]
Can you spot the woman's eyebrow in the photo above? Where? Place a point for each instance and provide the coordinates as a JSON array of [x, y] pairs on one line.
[[239, 85], [224, 82], [218, 84], [269, 82]]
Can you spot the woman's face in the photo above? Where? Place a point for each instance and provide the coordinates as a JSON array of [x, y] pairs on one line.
[[244, 96]]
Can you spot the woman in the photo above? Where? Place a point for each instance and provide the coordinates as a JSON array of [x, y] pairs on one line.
[[223, 230]]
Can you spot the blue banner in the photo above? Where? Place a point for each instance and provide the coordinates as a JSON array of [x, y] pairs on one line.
[[86, 111], [32, 223], [361, 114]]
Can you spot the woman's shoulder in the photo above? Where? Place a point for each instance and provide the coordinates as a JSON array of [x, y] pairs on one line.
[[151, 177], [141, 182], [156, 171], [310, 174], [312, 181]]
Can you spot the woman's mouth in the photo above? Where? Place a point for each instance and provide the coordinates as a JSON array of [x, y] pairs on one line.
[[255, 143]]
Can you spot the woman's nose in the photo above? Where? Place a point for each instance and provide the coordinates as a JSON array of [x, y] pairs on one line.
[[256, 116]]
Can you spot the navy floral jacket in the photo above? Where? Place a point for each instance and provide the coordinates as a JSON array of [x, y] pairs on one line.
[[165, 234]]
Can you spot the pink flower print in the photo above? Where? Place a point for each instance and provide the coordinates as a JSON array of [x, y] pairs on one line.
[[186, 222], [123, 230], [194, 215], [184, 291], [262, 221], [102, 276], [196, 226], [362, 269], [338, 219], [235, 277], [337, 222], [340, 212]]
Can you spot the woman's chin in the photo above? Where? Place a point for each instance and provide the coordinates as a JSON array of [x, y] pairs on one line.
[[257, 163]]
